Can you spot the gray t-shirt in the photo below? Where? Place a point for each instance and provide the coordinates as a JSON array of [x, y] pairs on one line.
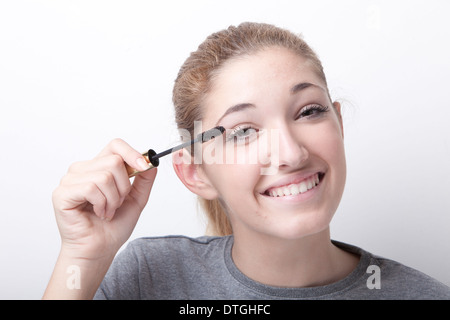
[[179, 267]]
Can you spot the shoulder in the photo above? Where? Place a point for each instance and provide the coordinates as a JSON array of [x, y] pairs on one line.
[[176, 242], [170, 248], [409, 282], [151, 267], [390, 279]]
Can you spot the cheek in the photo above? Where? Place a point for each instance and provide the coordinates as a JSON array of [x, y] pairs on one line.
[[234, 182], [327, 142], [329, 146]]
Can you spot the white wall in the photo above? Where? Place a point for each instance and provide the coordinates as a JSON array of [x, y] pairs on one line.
[[76, 74]]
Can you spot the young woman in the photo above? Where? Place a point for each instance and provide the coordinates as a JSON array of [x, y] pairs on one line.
[[269, 218]]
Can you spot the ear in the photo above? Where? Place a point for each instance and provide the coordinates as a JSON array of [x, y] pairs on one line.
[[192, 175], [337, 107]]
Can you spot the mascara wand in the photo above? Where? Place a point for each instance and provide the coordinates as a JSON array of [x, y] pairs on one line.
[[152, 157]]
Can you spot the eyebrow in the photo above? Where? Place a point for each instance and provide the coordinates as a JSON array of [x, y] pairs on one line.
[[244, 106], [236, 108], [303, 85]]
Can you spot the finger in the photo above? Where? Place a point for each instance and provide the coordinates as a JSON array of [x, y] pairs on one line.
[[142, 186], [110, 163], [105, 182], [107, 185], [67, 198], [138, 197], [129, 155]]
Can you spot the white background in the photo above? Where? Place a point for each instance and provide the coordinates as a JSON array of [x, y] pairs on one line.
[[76, 74]]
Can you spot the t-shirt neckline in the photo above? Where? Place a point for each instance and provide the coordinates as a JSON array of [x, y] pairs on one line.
[[304, 292]]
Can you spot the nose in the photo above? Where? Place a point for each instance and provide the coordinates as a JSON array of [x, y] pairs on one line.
[[290, 152]]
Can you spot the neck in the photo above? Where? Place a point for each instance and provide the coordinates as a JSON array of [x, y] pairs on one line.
[[310, 261]]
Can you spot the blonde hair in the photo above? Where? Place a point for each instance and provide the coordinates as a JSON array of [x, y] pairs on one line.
[[196, 75]]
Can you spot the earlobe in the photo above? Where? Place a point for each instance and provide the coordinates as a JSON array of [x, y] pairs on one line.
[[192, 176]]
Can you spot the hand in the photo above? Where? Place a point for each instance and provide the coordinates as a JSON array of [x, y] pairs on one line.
[[96, 205]]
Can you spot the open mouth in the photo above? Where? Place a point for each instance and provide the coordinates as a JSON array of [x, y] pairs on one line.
[[296, 188]]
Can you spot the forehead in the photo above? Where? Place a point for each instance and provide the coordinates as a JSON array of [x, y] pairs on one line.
[[274, 62], [269, 73]]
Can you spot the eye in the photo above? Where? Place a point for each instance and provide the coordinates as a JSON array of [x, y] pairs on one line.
[[242, 134], [312, 110]]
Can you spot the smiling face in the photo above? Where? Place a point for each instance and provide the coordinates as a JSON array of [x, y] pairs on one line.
[[276, 91]]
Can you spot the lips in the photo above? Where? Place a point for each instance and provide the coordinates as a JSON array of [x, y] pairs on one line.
[[295, 187]]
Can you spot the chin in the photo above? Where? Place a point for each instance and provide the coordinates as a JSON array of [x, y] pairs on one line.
[[301, 226]]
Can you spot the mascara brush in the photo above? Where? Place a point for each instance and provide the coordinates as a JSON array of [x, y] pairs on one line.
[[152, 157]]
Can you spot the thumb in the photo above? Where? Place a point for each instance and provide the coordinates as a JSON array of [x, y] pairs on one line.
[[129, 212], [141, 187]]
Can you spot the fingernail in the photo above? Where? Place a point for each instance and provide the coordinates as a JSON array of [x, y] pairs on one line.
[[142, 164]]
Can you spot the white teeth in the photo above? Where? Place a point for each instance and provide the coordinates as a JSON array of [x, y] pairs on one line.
[[280, 192], [294, 189], [303, 187]]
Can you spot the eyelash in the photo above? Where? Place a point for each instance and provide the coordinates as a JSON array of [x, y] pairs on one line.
[[236, 133], [310, 111]]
